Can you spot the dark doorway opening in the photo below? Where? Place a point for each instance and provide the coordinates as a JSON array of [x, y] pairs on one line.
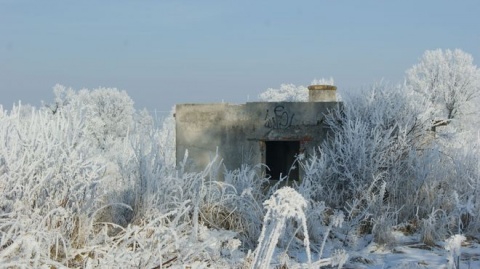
[[279, 157]]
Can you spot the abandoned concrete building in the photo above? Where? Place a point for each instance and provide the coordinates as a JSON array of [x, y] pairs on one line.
[[272, 133]]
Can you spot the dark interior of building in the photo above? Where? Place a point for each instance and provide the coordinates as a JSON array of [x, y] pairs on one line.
[[279, 157]]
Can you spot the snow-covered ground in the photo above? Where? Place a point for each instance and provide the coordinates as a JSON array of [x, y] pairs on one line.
[[407, 252]]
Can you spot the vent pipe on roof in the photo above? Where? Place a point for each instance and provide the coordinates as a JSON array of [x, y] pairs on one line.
[[322, 93]]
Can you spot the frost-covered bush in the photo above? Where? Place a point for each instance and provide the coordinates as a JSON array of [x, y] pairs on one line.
[[76, 191], [464, 190], [43, 158], [286, 93], [384, 166], [372, 135], [453, 245], [50, 185], [236, 203], [286, 209], [323, 81], [167, 137], [285, 203], [108, 112], [291, 92]]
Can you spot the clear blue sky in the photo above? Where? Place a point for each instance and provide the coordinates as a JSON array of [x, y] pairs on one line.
[[167, 52]]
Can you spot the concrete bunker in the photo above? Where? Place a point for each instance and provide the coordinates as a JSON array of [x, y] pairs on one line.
[[272, 133]]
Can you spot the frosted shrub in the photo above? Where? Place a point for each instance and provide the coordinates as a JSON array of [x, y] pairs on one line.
[[108, 113], [50, 185], [286, 93], [445, 180], [369, 164], [291, 92], [433, 227], [323, 81], [336, 220], [373, 133], [339, 258], [382, 229], [466, 194], [43, 157], [383, 165], [316, 219], [311, 188], [236, 203], [60, 195], [167, 136], [135, 154], [285, 203], [453, 245], [73, 198]]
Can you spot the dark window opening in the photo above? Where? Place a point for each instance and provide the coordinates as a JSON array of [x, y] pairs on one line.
[[279, 157]]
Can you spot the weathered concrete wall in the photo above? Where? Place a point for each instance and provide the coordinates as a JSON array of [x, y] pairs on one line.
[[239, 131]]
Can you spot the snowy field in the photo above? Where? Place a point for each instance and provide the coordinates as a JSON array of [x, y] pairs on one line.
[[407, 252]]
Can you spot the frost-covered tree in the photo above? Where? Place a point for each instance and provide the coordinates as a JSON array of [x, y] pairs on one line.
[[447, 80], [109, 112], [286, 93], [291, 92]]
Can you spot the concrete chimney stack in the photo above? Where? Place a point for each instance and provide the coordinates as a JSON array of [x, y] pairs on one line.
[[322, 93]]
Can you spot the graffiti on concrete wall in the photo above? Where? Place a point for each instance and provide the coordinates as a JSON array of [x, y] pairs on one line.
[[279, 118]]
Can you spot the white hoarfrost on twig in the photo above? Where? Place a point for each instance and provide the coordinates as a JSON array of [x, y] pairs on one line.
[[454, 245], [285, 203]]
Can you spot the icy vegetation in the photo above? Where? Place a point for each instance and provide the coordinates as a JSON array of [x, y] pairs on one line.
[[285, 203], [291, 92], [87, 181]]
